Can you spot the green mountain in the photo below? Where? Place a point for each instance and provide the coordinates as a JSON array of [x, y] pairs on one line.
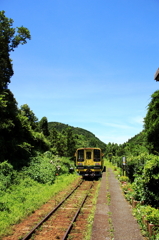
[[84, 138]]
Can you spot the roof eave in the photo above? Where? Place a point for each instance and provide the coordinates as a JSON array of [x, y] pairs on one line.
[[156, 77]]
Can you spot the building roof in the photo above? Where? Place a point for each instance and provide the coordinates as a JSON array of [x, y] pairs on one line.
[[156, 77]]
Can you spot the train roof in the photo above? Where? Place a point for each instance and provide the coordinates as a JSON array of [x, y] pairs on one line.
[[88, 148]]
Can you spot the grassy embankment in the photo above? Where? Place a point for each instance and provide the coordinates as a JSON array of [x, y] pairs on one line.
[[22, 192]]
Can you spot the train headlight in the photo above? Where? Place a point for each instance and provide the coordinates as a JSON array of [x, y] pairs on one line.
[[97, 164], [79, 164]]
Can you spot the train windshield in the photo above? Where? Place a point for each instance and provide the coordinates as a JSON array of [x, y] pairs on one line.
[[96, 155], [80, 156], [88, 155]]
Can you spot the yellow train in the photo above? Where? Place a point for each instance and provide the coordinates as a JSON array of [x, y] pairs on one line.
[[89, 162]]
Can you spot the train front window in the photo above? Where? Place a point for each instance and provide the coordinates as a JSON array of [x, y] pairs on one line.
[[88, 155], [96, 155], [80, 155]]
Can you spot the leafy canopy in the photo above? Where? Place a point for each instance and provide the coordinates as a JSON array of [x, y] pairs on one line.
[[152, 124], [10, 38]]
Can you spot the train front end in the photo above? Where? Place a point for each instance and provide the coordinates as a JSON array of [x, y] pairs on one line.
[[89, 162]]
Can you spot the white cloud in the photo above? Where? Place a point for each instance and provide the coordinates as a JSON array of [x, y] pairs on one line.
[[138, 119], [117, 125], [114, 138]]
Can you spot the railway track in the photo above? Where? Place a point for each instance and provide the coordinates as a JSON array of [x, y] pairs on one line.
[[60, 222]]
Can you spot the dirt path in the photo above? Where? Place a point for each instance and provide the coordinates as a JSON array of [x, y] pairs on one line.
[[101, 226], [124, 224]]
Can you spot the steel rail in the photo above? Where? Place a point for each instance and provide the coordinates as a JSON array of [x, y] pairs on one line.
[[75, 216], [50, 213]]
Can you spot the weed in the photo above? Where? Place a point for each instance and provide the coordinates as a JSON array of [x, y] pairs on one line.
[[91, 216], [26, 197]]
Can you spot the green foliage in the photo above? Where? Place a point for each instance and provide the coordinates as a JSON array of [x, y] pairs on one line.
[[135, 165], [43, 126], [30, 116], [136, 145], [152, 215], [24, 197], [65, 139], [143, 171], [41, 170], [82, 137], [8, 119], [45, 167], [111, 150], [58, 126], [3, 102], [22, 192], [8, 110], [152, 124], [58, 142], [151, 180], [148, 214], [124, 179], [13, 137], [139, 189], [40, 142], [18, 136], [127, 187], [71, 147], [10, 38], [7, 175], [133, 147]]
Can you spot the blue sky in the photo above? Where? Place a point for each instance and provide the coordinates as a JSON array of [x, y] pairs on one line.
[[89, 64]]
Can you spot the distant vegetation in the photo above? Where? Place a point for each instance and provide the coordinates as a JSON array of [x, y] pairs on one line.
[[66, 138]]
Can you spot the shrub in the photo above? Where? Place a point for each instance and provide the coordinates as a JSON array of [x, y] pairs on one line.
[[151, 181], [45, 167], [7, 175], [41, 170], [124, 179], [139, 188], [149, 213]]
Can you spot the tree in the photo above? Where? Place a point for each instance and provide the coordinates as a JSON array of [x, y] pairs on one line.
[[151, 124], [71, 145], [27, 112], [10, 38], [43, 126], [8, 117]]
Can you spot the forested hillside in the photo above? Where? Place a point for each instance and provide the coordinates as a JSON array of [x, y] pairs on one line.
[[82, 137]]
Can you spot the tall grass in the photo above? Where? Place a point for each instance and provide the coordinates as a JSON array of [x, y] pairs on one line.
[[21, 200]]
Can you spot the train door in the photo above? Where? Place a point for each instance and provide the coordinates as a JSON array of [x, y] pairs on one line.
[[88, 157]]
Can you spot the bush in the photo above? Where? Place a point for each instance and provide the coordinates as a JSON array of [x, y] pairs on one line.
[[143, 172], [139, 189], [151, 181], [124, 179], [44, 168], [41, 170], [149, 213], [7, 175], [135, 165]]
